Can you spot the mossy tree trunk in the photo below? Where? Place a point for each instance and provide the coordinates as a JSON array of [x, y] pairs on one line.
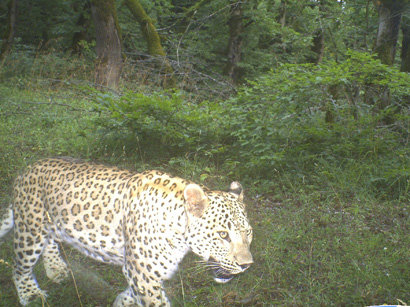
[[405, 46], [390, 12], [191, 11], [388, 31], [318, 40], [318, 47], [282, 13], [108, 43], [234, 49], [153, 41], [8, 37]]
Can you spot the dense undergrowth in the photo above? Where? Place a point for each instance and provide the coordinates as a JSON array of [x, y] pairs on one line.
[[325, 165], [321, 125]]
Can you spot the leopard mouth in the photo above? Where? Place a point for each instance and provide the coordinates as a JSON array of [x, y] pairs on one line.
[[222, 277], [220, 274]]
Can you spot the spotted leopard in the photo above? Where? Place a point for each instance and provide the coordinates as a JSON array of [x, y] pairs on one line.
[[145, 222]]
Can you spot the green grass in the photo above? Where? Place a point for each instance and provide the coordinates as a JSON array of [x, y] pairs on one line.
[[312, 247]]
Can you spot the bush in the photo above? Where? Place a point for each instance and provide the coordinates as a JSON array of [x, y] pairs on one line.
[[313, 124], [161, 125], [301, 119]]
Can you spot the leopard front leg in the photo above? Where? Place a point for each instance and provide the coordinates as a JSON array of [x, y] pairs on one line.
[[128, 298], [143, 290], [55, 266]]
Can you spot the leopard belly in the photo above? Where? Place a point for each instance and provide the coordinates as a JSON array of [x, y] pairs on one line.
[[111, 253]]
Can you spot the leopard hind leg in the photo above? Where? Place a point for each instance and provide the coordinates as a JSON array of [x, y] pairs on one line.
[[28, 247]]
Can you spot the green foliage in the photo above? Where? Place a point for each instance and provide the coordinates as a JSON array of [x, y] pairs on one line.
[[199, 40], [314, 123], [297, 120], [160, 125]]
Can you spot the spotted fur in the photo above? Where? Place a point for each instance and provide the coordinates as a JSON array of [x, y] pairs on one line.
[[145, 222]]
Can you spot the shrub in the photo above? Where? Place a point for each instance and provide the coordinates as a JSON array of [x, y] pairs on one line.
[[161, 125], [314, 124], [300, 119]]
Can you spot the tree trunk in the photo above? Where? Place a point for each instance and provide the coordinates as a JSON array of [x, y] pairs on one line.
[[388, 30], [405, 46], [386, 41], [191, 11], [108, 43], [282, 13], [235, 42], [367, 24], [9, 34], [318, 42], [153, 40], [318, 47]]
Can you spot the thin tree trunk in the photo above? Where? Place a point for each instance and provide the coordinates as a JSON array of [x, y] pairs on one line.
[[108, 43], [235, 42], [386, 41], [405, 46], [367, 24], [153, 40], [388, 30], [191, 11], [9, 34], [318, 47], [282, 13], [318, 42]]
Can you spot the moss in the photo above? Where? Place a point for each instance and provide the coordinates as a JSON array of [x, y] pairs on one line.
[[147, 27], [152, 38]]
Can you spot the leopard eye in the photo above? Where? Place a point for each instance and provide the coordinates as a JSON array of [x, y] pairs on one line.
[[224, 235]]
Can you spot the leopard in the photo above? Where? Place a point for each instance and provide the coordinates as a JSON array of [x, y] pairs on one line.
[[145, 222]]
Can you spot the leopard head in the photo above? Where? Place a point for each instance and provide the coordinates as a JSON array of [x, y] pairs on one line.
[[218, 229]]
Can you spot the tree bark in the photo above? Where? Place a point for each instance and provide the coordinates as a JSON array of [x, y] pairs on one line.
[[318, 41], [9, 34], [153, 40], [318, 47], [108, 43], [191, 11], [388, 30], [390, 12], [405, 46], [367, 24], [235, 42]]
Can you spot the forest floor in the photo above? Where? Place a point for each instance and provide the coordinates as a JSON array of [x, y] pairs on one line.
[[311, 248]]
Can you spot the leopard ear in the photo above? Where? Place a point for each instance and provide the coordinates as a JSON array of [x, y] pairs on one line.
[[195, 200], [236, 189]]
